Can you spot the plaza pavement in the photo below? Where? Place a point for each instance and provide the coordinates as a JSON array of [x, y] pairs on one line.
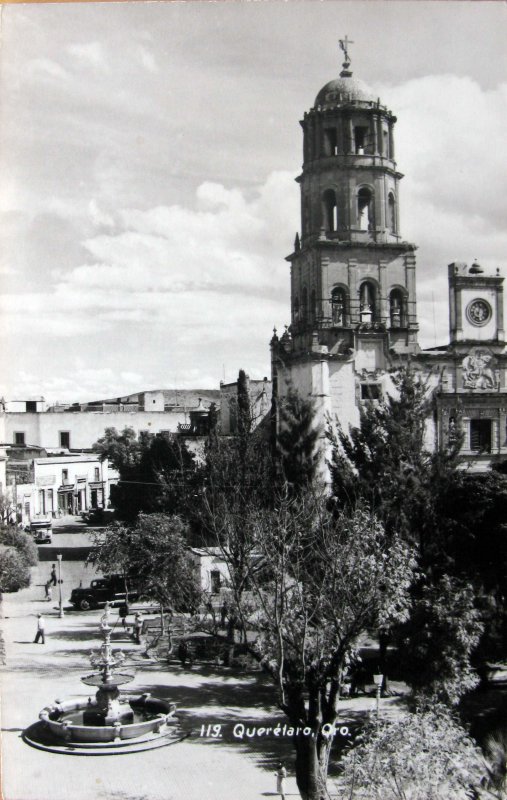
[[198, 768]]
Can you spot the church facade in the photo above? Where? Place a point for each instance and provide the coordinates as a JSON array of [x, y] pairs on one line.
[[353, 287]]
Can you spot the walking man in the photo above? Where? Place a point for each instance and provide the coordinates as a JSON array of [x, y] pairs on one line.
[[138, 625], [40, 630], [182, 652], [52, 578], [281, 775], [48, 590]]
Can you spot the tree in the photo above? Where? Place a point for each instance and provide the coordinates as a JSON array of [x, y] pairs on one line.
[[324, 582], [24, 544], [121, 449], [385, 462], [424, 755], [443, 631], [155, 553], [236, 479], [473, 546], [18, 553], [297, 445], [156, 472], [7, 510], [14, 572]]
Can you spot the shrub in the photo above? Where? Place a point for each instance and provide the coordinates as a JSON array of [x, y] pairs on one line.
[[424, 755], [24, 544], [14, 571]]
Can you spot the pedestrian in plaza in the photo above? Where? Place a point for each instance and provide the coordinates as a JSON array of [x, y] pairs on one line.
[[52, 577], [138, 624], [183, 652], [223, 614], [40, 630], [281, 775], [123, 613], [49, 591]]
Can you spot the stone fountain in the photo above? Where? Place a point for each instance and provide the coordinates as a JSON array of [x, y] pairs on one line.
[[111, 722]]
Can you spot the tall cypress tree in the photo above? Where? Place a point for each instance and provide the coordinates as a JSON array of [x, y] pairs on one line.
[[298, 447]]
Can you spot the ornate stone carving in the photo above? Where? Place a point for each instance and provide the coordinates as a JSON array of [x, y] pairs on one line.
[[480, 370]]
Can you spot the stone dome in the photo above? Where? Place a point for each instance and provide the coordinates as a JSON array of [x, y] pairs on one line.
[[345, 89]]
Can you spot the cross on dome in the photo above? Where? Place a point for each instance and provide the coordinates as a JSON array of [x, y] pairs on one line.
[[344, 45]]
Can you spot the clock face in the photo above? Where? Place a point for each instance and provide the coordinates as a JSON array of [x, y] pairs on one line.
[[479, 312]]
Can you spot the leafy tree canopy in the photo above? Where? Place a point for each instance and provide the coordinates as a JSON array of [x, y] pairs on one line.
[[385, 462], [156, 472], [154, 551], [22, 542], [325, 582], [443, 632], [14, 572]]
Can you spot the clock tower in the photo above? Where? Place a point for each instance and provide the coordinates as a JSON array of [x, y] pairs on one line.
[[475, 304]]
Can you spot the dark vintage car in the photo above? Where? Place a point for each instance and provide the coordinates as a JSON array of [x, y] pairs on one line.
[[98, 516], [110, 588]]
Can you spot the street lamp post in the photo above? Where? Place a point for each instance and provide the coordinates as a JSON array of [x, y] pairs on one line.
[[60, 600], [377, 680]]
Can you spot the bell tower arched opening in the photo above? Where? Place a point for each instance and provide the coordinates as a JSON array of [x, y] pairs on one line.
[[397, 309], [330, 211], [365, 215], [339, 306], [368, 302], [391, 213]]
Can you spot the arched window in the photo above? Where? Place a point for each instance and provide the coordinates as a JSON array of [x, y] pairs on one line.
[[296, 309], [365, 209], [329, 211], [391, 213], [304, 305], [368, 302], [338, 306], [330, 142], [397, 309]]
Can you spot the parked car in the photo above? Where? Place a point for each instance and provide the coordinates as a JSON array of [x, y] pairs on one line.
[[41, 529], [98, 516], [110, 588]]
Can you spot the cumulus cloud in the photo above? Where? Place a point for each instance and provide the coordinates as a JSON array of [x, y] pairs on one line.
[[180, 282], [449, 137]]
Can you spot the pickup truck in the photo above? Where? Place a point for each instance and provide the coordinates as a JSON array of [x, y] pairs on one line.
[[109, 589], [41, 529]]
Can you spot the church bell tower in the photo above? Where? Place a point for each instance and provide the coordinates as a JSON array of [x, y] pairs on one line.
[[353, 292], [351, 270]]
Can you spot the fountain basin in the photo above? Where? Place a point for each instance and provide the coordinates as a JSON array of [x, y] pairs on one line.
[[64, 720]]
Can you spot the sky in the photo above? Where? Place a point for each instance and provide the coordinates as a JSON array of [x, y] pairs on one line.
[[148, 152]]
